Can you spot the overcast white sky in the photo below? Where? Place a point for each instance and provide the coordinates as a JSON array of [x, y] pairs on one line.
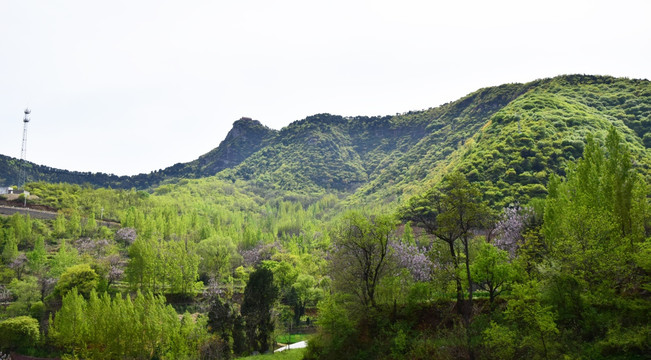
[[131, 86]]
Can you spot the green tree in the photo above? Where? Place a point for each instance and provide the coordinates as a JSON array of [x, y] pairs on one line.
[[119, 328], [80, 277], [221, 319], [491, 270], [90, 228], [303, 292], [215, 256], [534, 323], [10, 249], [69, 328], [450, 214], [22, 225], [26, 294], [140, 271], [38, 257], [19, 333], [595, 223], [360, 259], [73, 226], [66, 256], [260, 295], [59, 226], [182, 265]]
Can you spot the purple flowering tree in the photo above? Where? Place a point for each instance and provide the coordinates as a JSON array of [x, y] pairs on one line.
[[116, 269], [18, 265], [259, 253], [96, 248], [510, 228], [126, 235], [413, 258], [5, 296]]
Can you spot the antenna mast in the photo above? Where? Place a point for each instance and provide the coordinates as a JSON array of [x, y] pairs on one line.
[[23, 150]]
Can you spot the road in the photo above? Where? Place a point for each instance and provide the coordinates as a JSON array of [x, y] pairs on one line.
[[41, 214], [38, 214]]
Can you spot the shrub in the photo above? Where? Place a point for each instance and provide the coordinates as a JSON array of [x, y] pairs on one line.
[[81, 277], [18, 333]]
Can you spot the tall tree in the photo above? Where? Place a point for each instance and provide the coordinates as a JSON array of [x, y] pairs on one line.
[[450, 213], [260, 295], [361, 250]]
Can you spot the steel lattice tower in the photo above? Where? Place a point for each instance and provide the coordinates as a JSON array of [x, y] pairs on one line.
[[23, 150]]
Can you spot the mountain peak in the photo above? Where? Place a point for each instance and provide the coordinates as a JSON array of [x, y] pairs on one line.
[[247, 121], [245, 137], [247, 127]]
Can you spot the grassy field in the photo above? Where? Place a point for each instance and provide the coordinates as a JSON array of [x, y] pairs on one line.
[[287, 339], [283, 355]]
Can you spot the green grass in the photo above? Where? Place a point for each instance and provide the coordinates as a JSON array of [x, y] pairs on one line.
[[283, 355], [287, 339]]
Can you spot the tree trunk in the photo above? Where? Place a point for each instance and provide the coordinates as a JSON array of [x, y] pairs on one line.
[[459, 288], [467, 314]]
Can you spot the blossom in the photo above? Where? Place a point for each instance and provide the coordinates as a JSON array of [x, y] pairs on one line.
[[413, 258], [509, 229], [126, 235]]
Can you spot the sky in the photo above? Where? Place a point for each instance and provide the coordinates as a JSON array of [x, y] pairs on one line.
[[128, 87]]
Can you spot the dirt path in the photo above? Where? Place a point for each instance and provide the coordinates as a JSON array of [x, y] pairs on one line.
[[42, 214], [38, 214]]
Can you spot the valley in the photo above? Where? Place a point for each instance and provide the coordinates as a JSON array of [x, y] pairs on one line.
[[511, 223]]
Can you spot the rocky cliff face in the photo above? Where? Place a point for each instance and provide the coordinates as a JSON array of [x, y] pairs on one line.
[[245, 138]]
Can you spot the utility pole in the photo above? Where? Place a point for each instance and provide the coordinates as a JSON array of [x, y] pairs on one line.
[[23, 151]]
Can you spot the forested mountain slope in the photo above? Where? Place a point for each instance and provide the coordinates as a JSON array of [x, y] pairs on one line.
[[327, 217], [512, 150], [509, 138], [246, 137]]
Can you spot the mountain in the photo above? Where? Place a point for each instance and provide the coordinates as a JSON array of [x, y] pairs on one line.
[[511, 137], [246, 137], [508, 138]]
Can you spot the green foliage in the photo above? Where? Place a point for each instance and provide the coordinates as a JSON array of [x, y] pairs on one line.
[[275, 201], [588, 217], [216, 256], [170, 266], [260, 295], [360, 258], [105, 327], [27, 293], [10, 248], [66, 256], [19, 333], [38, 257], [80, 277], [294, 354], [451, 213], [59, 226], [491, 270], [336, 328], [534, 323]]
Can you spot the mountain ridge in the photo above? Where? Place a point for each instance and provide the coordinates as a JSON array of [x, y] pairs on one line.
[[508, 137]]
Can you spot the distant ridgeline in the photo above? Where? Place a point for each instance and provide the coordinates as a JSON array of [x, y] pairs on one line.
[[507, 138]]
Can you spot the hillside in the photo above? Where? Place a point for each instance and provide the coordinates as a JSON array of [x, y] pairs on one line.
[[363, 234], [246, 137], [512, 149], [509, 138]]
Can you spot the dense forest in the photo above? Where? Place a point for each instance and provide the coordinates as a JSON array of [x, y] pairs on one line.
[[512, 223]]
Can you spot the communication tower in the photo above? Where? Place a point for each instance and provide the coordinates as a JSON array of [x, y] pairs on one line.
[[23, 150]]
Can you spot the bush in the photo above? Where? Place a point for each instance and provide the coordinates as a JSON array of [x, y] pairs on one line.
[[18, 333], [81, 277]]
